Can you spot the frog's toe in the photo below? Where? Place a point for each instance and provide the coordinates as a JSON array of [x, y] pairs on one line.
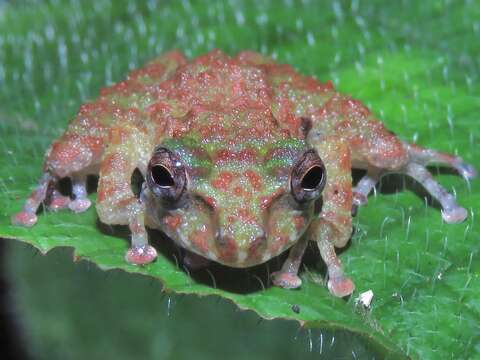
[[79, 205], [59, 203], [141, 255], [24, 218], [286, 280], [359, 199], [455, 215], [467, 171], [340, 286]]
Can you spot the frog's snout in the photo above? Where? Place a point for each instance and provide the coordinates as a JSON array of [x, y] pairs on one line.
[[239, 238], [239, 252]]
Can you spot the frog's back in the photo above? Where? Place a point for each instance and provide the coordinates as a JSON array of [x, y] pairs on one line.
[[166, 97]]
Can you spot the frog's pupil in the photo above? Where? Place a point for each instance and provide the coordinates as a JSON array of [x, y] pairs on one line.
[[312, 178], [162, 177]]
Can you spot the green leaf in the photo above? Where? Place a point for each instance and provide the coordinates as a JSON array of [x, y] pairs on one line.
[[414, 63]]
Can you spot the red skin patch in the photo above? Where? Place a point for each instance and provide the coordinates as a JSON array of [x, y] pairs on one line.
[[227, 251], [299, 222], [128, 200], [210, 201], [342, 194], [158, 108], [213, 131], [246, 216], [24, 218], [255, 179], [93, 108], [113, 162], [335, 218], [199, 239], [265, 201], [223, 180], [224, 155], [117, 135], [173, 221], [253, 249], [150, 71], [345, 162], [109, 190], [63, 152], [121, 87]]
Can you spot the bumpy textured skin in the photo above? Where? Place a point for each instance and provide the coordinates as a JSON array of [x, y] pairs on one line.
[[238, 124]]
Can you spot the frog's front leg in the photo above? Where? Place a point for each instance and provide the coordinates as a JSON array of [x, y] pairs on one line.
[[116, 203], [287, 276], [333, 226]]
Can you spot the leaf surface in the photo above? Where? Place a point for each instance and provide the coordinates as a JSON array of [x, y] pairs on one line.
[[414, 64]]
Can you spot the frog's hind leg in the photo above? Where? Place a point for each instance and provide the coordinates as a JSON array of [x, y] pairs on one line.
[[56, 201], [47, 193], [69, 156], [27, 216], [426, 157], [415, 166]]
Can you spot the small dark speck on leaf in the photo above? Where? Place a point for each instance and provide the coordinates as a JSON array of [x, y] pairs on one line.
[[296, 309]]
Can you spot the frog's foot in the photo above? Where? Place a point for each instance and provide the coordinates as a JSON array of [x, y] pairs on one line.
[[287, 277], [57, 201], [452, 213], [194, 261], [79, 205], [141, 254], [467, 171], [340, 286], [358, 200], [286, 280], [420, 157], [79, 190], [24, 218]]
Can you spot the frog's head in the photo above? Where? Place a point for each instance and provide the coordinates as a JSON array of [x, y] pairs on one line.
[[237, 204]]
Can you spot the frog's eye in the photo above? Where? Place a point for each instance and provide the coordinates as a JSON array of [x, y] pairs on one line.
[[308, 177], [166, 176]]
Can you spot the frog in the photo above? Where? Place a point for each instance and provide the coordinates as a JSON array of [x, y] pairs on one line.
[[242, 159]]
